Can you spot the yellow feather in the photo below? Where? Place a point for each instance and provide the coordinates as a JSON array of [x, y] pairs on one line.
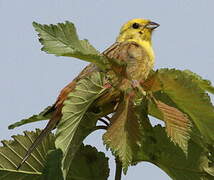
[[139, 31]]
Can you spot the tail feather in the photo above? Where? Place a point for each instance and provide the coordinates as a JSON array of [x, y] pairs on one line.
[[56, 110], [50, 126]]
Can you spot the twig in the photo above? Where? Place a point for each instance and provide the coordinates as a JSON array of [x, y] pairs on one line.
[[104, 121], [118, 172], [100, 127], [109, 119]]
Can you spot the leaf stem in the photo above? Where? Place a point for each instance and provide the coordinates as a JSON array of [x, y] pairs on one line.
[[118, 172], [105, 122], [108, 118], [100, 127]]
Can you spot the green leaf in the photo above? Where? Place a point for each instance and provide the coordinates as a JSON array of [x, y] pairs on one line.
[[178, 125], [189, 98], [8, 174], [159, 150], [62, 40], [76, 124], [40, 167], [12, 152], [44, 115], [203, 83], [122, 137], [52, 168], [89, 164]]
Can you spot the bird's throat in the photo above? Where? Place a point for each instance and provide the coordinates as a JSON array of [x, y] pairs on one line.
[[147, 45]]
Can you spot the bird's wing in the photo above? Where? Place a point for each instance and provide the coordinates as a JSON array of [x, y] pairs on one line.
[[57, 110], [129, 52], [133, 55]]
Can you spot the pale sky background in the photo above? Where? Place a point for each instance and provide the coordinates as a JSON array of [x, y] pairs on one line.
[[30, 80]]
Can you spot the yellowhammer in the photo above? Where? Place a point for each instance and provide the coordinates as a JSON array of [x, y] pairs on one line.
[[133, 47]]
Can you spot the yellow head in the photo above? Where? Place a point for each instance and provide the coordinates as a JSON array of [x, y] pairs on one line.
[[137, 30]]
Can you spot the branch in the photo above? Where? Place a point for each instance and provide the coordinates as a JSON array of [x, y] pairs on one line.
[[118, 172], [105, 122], [100, 127]]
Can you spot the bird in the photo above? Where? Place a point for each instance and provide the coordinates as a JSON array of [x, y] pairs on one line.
[[133, 47]]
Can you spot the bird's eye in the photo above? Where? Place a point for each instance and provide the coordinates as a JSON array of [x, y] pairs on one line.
[[135, 25]]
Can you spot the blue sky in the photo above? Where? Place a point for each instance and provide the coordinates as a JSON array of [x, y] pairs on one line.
[[31, 80]]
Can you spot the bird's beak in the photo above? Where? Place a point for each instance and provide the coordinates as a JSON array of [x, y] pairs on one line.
[[152, 25]]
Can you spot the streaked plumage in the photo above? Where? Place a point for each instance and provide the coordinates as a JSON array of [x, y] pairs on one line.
[[133, 46]]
